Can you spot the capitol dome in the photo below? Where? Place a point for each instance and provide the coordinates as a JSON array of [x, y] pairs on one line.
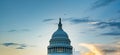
[[60, 33], [60, 44]]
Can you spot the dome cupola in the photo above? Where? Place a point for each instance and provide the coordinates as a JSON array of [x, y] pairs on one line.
[[60, 33]]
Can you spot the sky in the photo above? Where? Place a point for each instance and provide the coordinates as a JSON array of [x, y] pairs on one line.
[[26, 26]]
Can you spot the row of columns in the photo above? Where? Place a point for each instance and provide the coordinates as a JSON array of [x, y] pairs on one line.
[[60, 42], [60, 50]]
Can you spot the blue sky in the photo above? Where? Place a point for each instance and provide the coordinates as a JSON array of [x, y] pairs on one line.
[[29, 24]]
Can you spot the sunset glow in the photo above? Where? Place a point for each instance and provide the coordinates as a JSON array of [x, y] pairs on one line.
[[27, 26]]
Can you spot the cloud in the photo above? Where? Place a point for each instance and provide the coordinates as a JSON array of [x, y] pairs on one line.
[[9, 44], [65, 14], [47, 20], [117, 41], [101, 49], [113, 26], [22, 46], [108, 24], [12, 30], [92, 48], [78, 20], [18, 30], [109, 50], [16, 45], [19, 48], [111, 33], [73, 20], [101, 3], [25, 30]]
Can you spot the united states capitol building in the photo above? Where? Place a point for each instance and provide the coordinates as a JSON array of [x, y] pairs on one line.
[[60, 43]]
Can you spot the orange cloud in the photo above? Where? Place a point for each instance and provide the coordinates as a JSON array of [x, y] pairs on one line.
[[93, 49], [101, 49], [89, 53]]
